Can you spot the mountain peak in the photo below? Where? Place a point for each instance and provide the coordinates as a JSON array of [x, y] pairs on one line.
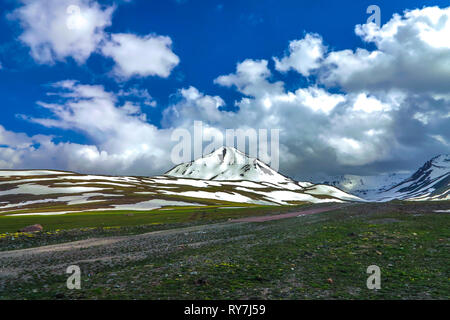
[[431, 181], [442, 160], [228, 155], [435, 166], [228, 163]]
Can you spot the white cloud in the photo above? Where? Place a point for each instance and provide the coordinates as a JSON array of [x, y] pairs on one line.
[[54, 32], [194, 105], [369, 104], [304, 55], [250, 78], [141, 56], [123, 142], [16, 139], [141, 94], [412, 53], [318, 99], [441, 139]]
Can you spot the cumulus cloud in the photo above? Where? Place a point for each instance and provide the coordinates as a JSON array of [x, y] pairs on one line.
[[412, 53], [12, 138], [250, 78], [318, 99], [123, 142], [193, 105], [57, 29], [141, 56], [304, 55]]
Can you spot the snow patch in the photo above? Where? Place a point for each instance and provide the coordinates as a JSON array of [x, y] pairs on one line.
[[154, 204], [35, 189]]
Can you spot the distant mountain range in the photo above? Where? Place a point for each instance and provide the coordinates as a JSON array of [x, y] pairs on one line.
[[366, 187], [429, 182]]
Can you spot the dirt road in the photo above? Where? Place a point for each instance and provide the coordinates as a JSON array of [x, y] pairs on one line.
[[286, 215]]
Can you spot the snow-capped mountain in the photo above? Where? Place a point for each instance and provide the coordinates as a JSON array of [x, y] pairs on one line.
[[366, 186], [229, 164], [221, 179], [430, 182]]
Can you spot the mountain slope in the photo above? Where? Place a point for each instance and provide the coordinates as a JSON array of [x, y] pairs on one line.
[[225, 177], [228, 164], [430, 182], [366, 187], [54, 192]]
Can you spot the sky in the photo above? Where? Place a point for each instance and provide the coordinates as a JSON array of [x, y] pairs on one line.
[[100, 86]]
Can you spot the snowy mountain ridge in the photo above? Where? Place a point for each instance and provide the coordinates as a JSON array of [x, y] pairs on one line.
[[224, 178], [429, 182], [366, 186], [227, 163]]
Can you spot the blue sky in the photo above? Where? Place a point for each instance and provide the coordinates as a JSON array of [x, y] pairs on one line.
[[209, 38]]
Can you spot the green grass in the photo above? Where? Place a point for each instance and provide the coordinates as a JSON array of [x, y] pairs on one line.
[[285, 259], [133, 218], [82, 225]]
